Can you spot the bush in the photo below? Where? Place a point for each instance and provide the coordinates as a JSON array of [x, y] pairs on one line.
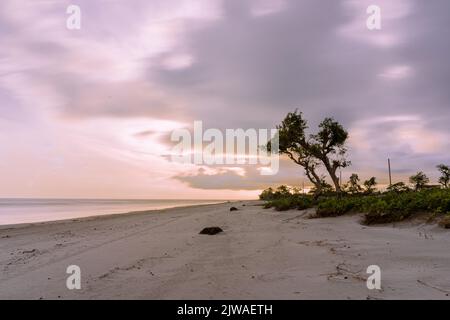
[[392, 206], [378, 208], [280, 193], [333, 207], [294, 201]]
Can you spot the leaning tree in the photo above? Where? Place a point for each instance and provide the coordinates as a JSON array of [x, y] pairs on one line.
[[327, 147], [292, 141]]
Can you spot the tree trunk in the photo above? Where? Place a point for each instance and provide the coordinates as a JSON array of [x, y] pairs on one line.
[[315, 179], [332, 173]]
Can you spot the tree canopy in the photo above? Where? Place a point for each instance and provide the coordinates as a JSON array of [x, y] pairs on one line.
[[444, 179], [326, 147], [419, 180]]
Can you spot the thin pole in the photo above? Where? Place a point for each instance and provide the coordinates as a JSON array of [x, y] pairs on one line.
[[303, 186], [389, 166]]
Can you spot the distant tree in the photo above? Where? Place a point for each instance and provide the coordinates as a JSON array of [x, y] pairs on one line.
[[324, 187], [267, 194], [296, 190], [327, 147], [369, 185], [398, 187], [352, 186], [282, 191], [444, 179], [419, 180]]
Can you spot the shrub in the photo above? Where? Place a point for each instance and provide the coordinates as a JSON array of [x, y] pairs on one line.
[[280, 193], [392, 206], [333, 207], [378, 208], [398, 187], [294, 201]]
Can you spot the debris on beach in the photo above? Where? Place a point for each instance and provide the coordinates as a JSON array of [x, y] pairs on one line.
[[233, 209], [211, 230], [29, 251]]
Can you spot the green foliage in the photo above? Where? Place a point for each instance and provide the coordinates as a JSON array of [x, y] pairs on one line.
[[398, 187], [419, 180], [331, 134], [393, 206], [352, 186], [387, 207], [267, 194], [378, 208], [444, 179], [333, 207], [326, 148], [325, 188], [291, 133], [285, 198], [369, 185], [281, 192], [294, 201]]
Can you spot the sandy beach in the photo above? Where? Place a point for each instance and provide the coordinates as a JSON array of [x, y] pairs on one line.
[[262, 254]]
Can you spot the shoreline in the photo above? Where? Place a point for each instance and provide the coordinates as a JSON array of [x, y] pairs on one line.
[[261, 254], [108, 215]]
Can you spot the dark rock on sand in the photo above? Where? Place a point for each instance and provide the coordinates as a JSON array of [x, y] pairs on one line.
[[233, 209], [211, 230]]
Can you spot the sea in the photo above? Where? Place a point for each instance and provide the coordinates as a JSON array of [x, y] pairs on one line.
[[15, 211]]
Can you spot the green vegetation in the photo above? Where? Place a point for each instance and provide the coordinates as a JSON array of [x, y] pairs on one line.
[[295, 201], [353, 186], [284, 198], [398, 187], [419, 180], [369, 185], [444, 179], [311, 151], [326, 152], [390, 206]]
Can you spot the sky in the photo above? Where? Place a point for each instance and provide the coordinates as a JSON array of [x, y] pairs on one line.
[[88, 113]]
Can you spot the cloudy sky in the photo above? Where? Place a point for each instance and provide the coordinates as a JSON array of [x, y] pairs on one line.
[[87, 113]]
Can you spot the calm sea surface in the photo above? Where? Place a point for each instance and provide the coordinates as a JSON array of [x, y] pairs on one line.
[[14, 211]]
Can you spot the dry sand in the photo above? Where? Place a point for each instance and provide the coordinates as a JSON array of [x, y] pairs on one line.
[[262, 254]]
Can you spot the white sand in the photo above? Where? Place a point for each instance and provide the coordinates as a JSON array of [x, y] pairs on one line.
[[262, 254]]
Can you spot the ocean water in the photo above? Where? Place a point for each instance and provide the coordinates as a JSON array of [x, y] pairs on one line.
[[13, 211]]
